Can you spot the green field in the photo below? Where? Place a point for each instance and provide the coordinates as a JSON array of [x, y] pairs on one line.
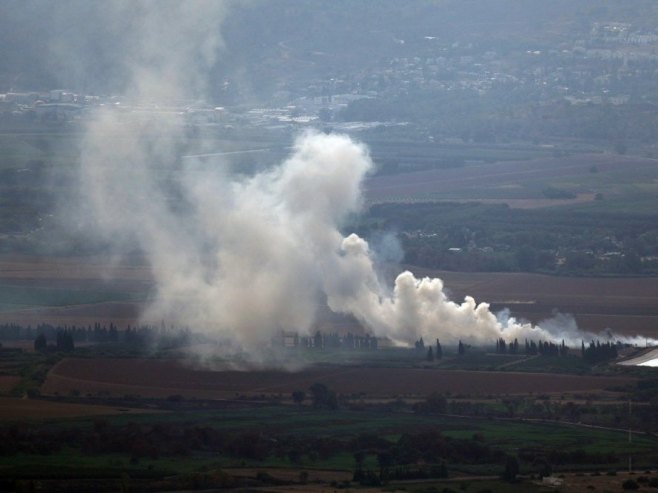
[[305, 424]]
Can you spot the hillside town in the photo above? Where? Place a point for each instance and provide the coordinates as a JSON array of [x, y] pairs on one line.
[[611, 64]]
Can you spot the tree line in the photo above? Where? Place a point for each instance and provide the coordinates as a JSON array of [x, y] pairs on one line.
[[597, 352], [497, 238], [64, 337], [322, 340], [541, 348]]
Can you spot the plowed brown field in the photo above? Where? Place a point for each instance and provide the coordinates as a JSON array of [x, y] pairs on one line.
[[161, 378]]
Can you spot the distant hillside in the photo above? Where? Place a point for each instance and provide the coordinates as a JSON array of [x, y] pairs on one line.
[[268, 41]]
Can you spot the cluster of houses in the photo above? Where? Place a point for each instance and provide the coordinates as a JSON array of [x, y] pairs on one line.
[[58, 106]]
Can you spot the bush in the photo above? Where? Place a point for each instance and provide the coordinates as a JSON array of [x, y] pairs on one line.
[[630, 484], [33, 393], [264, 477]]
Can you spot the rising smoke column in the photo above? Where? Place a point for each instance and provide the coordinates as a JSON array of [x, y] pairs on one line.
[[416, 307], [246, 257], [254, 256]]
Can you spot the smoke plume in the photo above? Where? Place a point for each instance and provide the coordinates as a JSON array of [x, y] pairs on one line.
[[248, 256]]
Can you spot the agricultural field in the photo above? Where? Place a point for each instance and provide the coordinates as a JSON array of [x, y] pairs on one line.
[[522, 183], [162, 378], [130, 421], [283, 448], [111, 404]]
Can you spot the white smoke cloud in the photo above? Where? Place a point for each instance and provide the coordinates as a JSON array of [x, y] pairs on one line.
[[416, 307], [253, 256], [247, 257]]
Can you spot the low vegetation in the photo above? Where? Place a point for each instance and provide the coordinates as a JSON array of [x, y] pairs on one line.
[[382, 418], [481, 237]]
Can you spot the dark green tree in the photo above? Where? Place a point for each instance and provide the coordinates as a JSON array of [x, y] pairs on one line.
[[298, 396], [385, 461], [511, 468], [40, 343], [64, 341], [322, 397], [359, 459]]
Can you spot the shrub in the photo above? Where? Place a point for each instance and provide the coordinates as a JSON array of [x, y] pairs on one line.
[[630, 484]]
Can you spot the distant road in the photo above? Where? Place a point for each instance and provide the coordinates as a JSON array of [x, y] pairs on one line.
[[648, 358]]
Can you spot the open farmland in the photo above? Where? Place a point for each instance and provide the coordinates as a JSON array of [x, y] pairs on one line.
[[161, 378], [519, 183]]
